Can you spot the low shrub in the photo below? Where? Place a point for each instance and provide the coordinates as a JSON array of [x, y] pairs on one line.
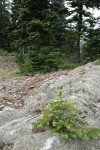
[[64, 119]]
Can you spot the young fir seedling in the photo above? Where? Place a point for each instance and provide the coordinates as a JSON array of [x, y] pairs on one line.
[[62, 118]]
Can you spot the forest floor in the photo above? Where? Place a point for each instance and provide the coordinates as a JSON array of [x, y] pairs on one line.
[[14, 88], [8, 67]]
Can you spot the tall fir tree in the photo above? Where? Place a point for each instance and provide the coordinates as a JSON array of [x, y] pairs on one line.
[[4, 22], [82, 20], [58, 24], [45, 30], [91, 48], [34, 33]]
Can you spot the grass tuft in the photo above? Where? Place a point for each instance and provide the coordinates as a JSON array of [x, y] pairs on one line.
[[9, 73], [97, 62]]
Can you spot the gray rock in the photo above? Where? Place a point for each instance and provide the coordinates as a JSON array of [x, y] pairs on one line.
[[43, 141], [17, 128], [2, 87], [81, 84], [8, 147], [9, 114], [30, 102]]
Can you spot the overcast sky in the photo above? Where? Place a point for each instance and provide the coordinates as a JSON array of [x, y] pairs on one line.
[[96, 12]]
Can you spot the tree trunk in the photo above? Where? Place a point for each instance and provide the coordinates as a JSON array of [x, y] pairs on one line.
[[21, 52], [78, 50], [79, 29]]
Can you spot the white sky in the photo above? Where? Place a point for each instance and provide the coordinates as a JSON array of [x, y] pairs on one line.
[[96, 12]]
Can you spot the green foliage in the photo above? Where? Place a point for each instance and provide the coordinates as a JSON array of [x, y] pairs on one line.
[[45, 35], [5, 53], [67, 64], [91, 49], [45, 60], [81, 20], [36, 37], [4, 23], [42, 32], [64, 119]]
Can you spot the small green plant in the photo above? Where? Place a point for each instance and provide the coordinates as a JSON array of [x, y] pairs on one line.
[[62, 118]]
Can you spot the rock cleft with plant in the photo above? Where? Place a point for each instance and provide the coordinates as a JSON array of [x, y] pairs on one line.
[[64, 119]]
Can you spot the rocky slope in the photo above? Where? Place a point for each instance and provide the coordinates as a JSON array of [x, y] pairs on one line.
[[22, 97]]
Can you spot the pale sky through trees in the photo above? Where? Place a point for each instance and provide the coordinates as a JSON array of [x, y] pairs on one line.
[[95, 12]]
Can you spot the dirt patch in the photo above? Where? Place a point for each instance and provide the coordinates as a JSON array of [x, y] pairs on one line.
[[7, 63], [14, 90]]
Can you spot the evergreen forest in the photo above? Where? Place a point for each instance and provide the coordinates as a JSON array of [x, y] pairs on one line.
[[47, 35]]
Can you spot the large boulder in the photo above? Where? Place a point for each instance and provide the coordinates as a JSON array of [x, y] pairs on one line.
[[81, 84], [15, 125], [44, 141], [9, 114]]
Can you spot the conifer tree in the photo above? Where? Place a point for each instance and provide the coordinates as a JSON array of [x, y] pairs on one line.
[[91, 48], [42, 32], [4, 22], [34, 33], [58, 24], [81, 20]]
